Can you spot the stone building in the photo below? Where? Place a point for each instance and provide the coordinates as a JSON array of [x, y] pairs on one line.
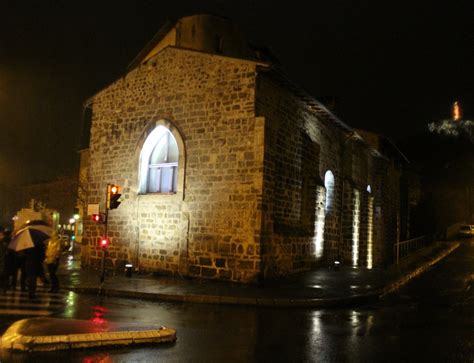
[[229, 170]]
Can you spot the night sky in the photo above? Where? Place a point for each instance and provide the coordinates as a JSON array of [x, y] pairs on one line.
[[393, 69]]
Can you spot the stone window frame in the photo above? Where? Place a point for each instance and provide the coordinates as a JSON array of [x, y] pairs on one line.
[[179, 194]]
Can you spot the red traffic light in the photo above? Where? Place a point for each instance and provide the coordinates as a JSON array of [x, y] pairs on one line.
[[98, 218], [104, 243]]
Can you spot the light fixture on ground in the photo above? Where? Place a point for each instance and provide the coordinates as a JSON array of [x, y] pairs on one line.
[[128, 270]]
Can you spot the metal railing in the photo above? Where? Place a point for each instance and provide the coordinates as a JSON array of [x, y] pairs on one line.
[[403, 248]]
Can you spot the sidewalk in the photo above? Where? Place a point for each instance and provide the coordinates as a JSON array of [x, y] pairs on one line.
[[323, 287]]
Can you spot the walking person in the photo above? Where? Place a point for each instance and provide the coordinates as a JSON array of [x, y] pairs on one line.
[[34, 263], [10, 263], [3, 252], [42, 275], [53, 253], [29, 241], [20, 266]]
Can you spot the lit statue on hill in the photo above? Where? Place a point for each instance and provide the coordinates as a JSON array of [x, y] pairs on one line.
[[456, 111], [455, 127]]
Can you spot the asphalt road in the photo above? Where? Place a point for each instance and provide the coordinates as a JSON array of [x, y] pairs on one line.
[[430, 319]]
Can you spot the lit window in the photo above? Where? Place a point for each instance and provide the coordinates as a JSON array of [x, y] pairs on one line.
[[159, 162], [329, 185]]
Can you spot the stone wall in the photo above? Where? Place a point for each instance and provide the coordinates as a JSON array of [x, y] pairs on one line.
[[211, 226], [299, 149], [301, 146]]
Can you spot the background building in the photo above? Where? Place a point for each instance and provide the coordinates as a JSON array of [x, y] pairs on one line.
[[59, 194]]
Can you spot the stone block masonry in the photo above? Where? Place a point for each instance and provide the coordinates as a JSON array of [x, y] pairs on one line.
[[268, 181], [317, 178], [211, 226]]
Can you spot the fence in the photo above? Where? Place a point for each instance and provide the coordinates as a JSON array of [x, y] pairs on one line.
[[404, 248]]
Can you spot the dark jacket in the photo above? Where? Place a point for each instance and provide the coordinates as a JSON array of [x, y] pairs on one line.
[[34, 259], [9, 257], [3, 252], [10, 262]]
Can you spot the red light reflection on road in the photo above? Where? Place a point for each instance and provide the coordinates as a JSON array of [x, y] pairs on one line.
[[98, 314], [100, 357]]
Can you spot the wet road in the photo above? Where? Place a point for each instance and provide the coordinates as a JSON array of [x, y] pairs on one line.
[[431, 319]]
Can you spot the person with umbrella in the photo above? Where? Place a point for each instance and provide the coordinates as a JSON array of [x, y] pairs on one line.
[[30, 239]]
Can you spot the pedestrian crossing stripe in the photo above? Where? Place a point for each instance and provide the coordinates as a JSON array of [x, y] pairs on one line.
[[24, 296], [34, 305], [25, 312], [19, 303]]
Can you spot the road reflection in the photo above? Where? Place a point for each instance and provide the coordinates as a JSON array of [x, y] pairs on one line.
[[70, 310], [98, 358], [98, 313]]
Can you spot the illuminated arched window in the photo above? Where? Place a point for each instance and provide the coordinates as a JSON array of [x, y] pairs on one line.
[[159, 162], [329, 185], [369, 189]]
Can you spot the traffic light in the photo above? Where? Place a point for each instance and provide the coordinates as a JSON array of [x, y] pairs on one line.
[[104, 242], [113, 196], [99, 218]]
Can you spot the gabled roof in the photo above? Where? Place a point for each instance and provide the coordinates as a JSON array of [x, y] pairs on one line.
[[209, 30], [158, 37]]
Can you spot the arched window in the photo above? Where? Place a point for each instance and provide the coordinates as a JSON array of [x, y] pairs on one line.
[[369, 189], [159, 162], [329, 184]]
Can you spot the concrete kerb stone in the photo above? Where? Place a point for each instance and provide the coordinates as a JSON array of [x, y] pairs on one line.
[[273, 302], [419, 270], [13, 340]]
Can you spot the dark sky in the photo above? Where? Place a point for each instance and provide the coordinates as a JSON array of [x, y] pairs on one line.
[[393, 68]]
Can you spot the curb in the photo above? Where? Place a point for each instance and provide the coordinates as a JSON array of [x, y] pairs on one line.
[[231, 300], [407, 277], [270, 302], [13, 340]]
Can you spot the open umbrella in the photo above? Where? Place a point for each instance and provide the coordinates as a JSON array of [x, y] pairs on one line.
[[30, 236]]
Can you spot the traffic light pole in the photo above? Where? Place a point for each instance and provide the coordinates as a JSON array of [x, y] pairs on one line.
[[112, 201], [104, 250]]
